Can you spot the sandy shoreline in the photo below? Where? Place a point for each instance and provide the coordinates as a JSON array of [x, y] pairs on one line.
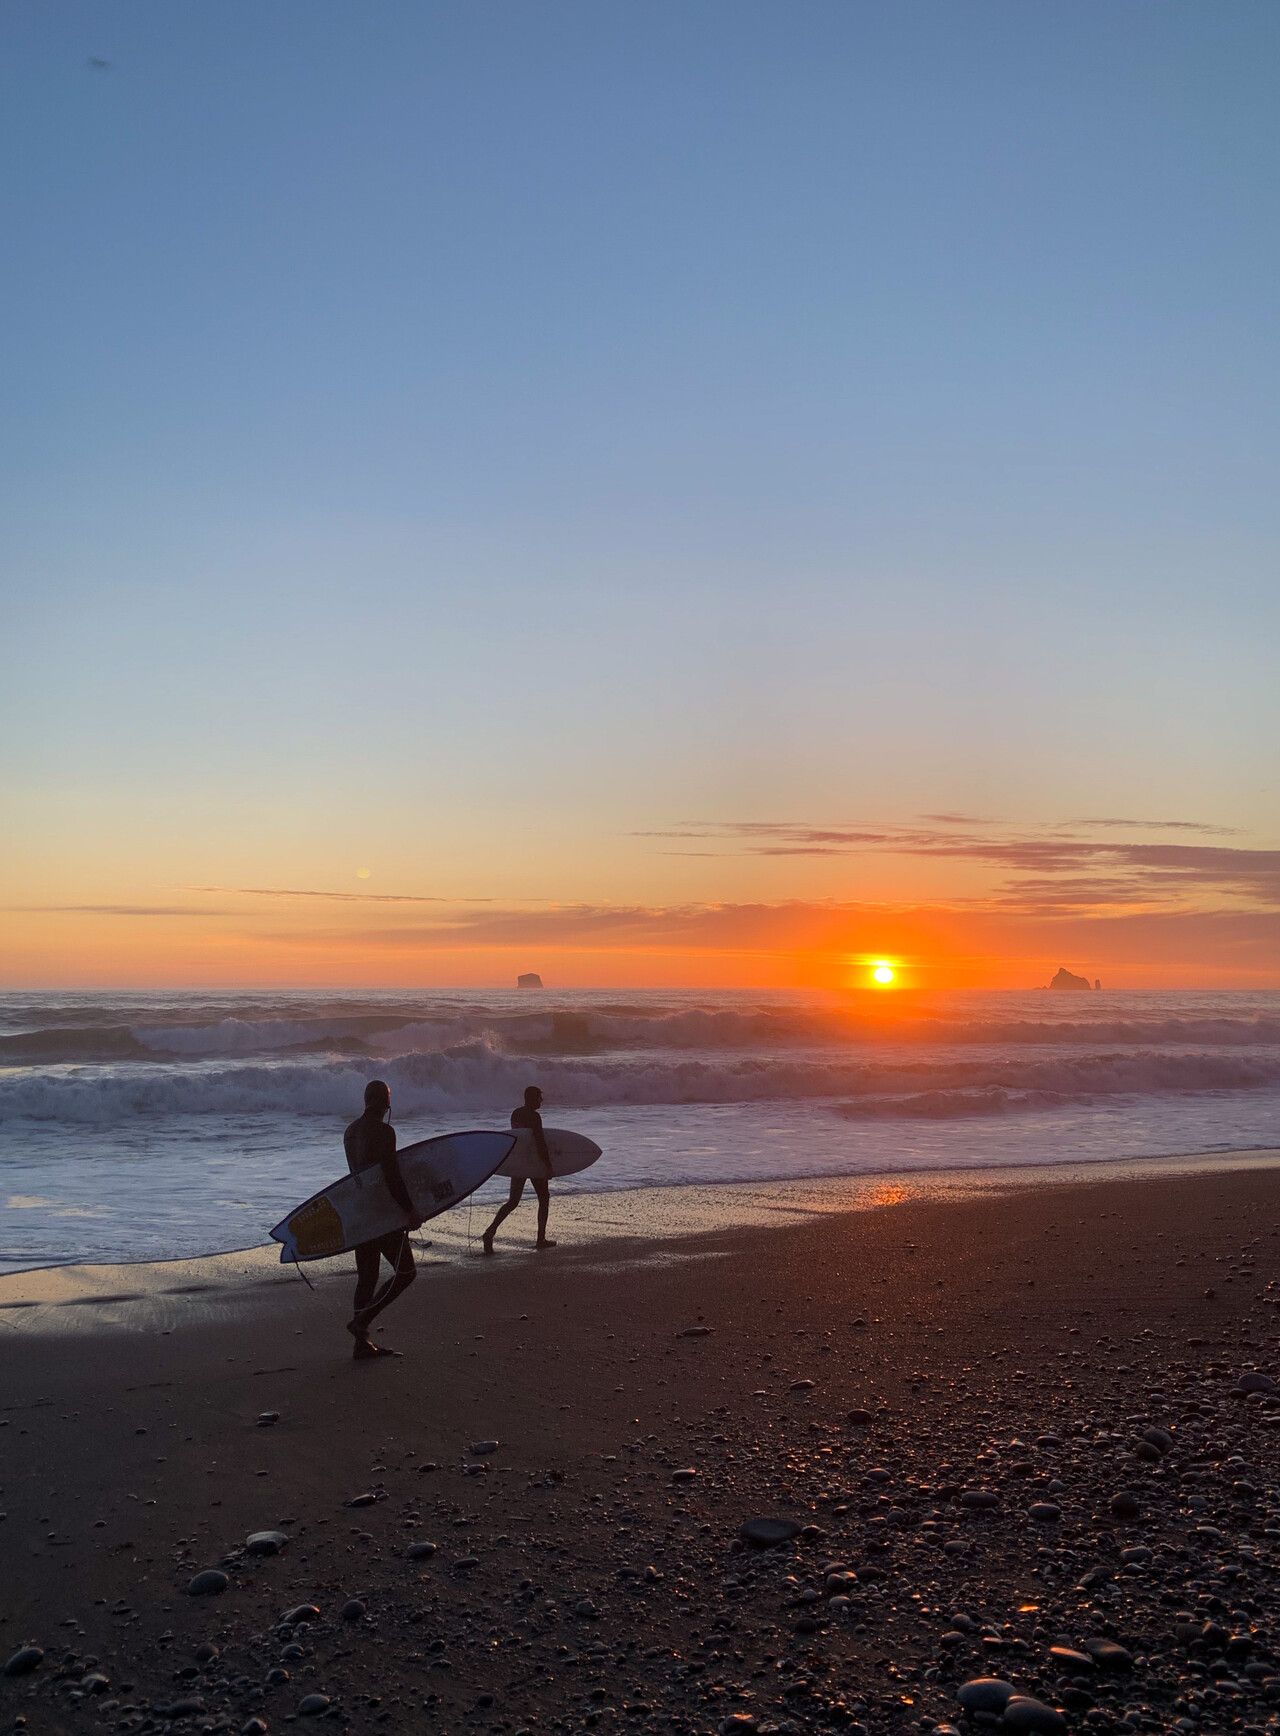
[[634, 1223], [857, 1371]]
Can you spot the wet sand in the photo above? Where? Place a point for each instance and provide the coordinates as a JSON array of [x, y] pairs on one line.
[[857, 1371]]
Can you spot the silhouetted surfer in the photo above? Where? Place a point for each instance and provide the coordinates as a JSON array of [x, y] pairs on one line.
[[371, 1141], [527, 1117]]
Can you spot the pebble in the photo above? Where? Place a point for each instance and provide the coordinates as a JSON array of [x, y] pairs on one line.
[[24, 1660], [211, 1583], [189, 1708], [299, 1613], [365, 1500], [698, 1332], [1025, 1713], [266, 1542], [254, 1727], [1108, 1655], [352, 1610], [1252, 1381], [1067, 1658], [266, 1419], [979, 1500], [1044, 1512], [311, 1705], [1124, 1505], [768, 1533], [985, 1694], [481, 1448], [686, 1474], [420, 1551]]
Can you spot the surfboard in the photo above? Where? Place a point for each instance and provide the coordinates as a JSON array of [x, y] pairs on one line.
[[570, 1152], [437, 1174]]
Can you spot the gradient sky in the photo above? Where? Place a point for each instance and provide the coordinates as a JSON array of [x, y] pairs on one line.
[[624, 471]]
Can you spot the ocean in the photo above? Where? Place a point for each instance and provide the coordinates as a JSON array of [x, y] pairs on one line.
[[157, 1125]]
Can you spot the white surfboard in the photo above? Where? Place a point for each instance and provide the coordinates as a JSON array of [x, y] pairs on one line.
[[570, 1152], [437, 1174]]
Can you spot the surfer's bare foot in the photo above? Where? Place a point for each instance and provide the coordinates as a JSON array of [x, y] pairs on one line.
[[364, 1350], [486, 1242], [546, 1242]]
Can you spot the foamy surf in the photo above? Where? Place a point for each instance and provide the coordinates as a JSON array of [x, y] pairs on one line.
[[176, 1124]]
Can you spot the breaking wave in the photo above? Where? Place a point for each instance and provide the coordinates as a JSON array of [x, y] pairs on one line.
[[481, 1078], [356, 1028]]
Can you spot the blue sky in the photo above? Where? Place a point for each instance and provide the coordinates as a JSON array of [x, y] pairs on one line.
[[589, 418]]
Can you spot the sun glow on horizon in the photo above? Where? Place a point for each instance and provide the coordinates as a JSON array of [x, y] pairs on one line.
[[883, 974]]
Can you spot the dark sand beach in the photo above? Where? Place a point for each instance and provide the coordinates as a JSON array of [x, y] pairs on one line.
[[1006, 1419]]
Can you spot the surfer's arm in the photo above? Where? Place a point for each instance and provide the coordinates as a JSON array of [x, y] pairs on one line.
[[540, 1140], [395, 1181]]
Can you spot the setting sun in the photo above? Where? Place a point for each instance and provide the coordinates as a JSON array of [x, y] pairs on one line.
[[883, 974]]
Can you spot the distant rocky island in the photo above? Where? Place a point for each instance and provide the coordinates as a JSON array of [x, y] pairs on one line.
[[531, 980], [1066, 979]]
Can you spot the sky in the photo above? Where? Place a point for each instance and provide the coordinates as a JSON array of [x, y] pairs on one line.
[[681, 492]]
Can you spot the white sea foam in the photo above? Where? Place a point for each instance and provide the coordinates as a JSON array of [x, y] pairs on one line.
[[191, 1121]]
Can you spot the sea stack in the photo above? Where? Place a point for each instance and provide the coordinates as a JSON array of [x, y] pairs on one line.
[[1066, 979], [531, 980]]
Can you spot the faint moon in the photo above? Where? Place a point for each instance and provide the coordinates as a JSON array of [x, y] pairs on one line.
[[363, 873]]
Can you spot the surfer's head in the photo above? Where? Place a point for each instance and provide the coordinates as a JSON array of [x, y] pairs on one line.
[[377, 1096], [533, 1097]]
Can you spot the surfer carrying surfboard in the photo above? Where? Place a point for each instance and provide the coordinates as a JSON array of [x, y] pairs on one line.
[[527, 1116], [370, 1141]]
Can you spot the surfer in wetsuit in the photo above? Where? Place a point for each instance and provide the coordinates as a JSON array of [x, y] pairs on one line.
[[369, 1141], [527, 1116]]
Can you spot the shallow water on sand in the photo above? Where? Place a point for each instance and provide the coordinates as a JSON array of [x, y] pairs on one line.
[[151, 1126]]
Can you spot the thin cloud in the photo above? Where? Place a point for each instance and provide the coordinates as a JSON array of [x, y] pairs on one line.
[[121, 910], [336, 897], [1123, 871], [1168, 826]]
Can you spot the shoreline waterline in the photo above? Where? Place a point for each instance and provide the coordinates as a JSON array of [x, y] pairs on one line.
[[628, 1227]]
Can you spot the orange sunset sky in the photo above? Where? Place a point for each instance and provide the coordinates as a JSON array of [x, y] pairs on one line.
[[675, 494]]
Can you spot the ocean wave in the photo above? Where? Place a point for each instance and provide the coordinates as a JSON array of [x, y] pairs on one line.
[[480, 1078], [570, 1030]]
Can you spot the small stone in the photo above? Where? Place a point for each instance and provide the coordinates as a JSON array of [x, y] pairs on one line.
[[1024, 1713], [768, 1533], [701, 1332], [312, 1705], [859, 1418], [211, 1583], [254, 1727], [482, 1448], [299, 1613], [266, 1420], [802, 1385], [420, 1551], [189, 1708], [1067, 1658], [352, 1610], [1251, 1381], [979, 1500], [1045, 1512], [266, 1542], [1124, 1505], [586, 1609], [24, 1660], [365, 1500], [985, 1694], [685, 1475], [1108, 1655]]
